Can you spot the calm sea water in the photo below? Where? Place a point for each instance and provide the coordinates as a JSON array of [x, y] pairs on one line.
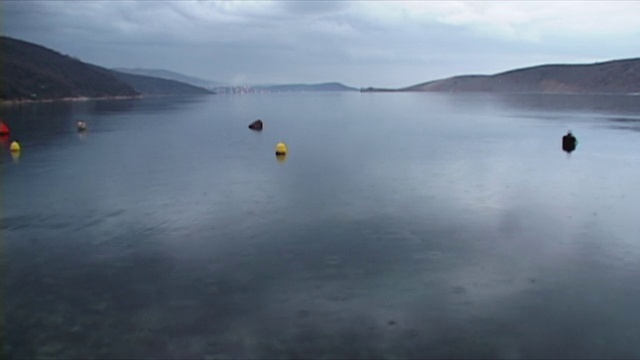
[[399, 226]]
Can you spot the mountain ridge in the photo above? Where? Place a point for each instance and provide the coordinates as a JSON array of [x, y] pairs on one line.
[[148, 85], [620, 76], [170, 75]]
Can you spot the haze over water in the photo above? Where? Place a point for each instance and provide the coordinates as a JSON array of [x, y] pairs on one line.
[[400, 225]]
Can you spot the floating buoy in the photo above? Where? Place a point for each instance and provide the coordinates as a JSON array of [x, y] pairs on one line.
[[4, 129], [256, 125], [82, 126], [569, 142], [281, 149], [15, 147]]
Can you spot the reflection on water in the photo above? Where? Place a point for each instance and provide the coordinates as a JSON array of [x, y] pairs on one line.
[[281, 158], [5, 141], [15, 155], [594, 104], [621, 111], [628, 123], [405, 226]]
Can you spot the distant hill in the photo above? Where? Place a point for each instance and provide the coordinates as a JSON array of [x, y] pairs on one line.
[[170, 75], [222, 87], [331, 86], [33, 72], [147, 85], [611, 77]]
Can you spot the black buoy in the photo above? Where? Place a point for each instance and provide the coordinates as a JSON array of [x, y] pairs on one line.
[[256, 125], [569, 142]]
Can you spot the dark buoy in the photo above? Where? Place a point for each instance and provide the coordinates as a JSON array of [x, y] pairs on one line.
[[256, 125], [4, 129], [82, 126], [569, 142]]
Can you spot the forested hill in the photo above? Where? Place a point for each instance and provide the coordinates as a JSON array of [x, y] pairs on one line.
[[33, 72]]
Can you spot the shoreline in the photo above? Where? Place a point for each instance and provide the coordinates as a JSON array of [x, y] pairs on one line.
[[382, 90], [17, 102]]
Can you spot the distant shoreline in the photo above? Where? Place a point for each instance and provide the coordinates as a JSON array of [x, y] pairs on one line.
[[66, 99], [403, 90], [17, 102]]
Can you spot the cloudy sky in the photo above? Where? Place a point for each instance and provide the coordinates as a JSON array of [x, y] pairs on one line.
[[359, 43]]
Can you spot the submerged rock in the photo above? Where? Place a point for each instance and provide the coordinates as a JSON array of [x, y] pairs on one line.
[[256, 125]]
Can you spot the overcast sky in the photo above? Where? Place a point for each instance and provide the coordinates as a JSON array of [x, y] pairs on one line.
[[359, 43]]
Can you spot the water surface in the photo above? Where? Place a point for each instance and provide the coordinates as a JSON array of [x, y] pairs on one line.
[[399, 226]]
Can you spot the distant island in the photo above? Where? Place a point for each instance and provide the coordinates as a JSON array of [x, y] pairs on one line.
[[220, 87], [284, 88], [611, 77], [35, 73], [330, 86]]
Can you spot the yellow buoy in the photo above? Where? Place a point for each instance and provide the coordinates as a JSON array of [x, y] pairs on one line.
[[15, 147], [281, 149]]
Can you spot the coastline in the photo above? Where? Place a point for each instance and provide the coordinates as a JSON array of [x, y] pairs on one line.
[[16, 102], [404, 90]]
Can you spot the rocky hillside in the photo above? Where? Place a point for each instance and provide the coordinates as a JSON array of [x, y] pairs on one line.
[[619, 76]]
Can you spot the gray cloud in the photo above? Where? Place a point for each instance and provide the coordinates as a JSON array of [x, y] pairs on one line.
[[314, 7], [358, 43]]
